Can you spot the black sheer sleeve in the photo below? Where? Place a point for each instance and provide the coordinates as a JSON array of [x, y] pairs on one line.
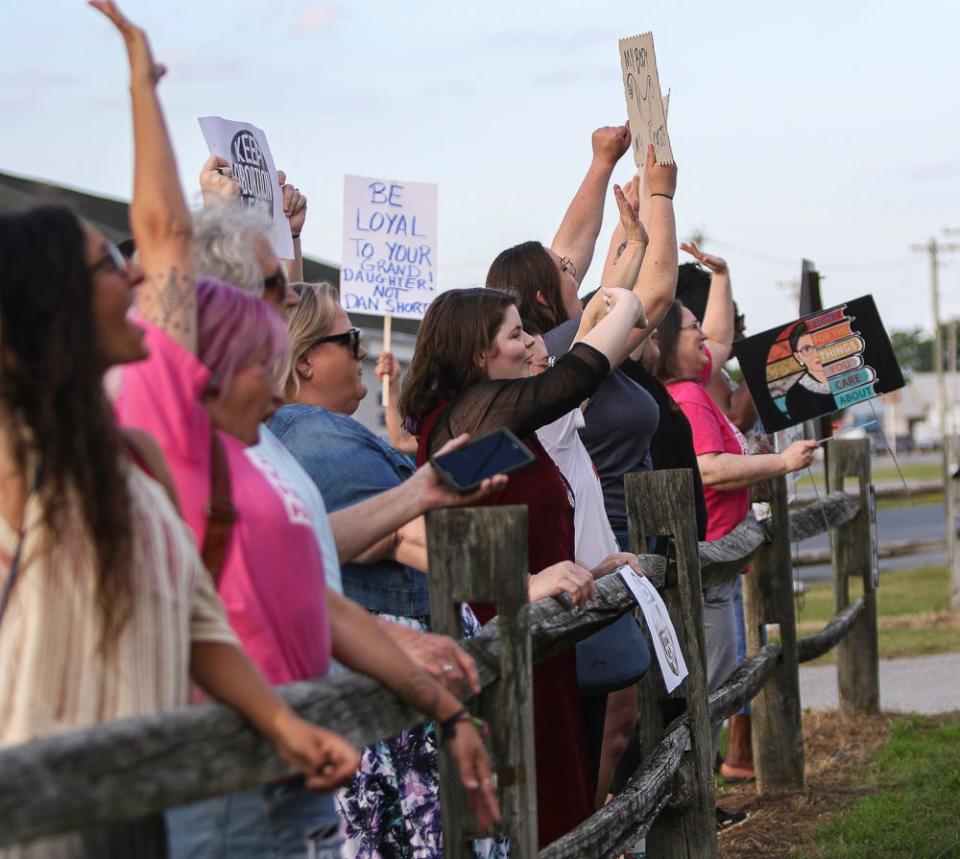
[[524, 405]]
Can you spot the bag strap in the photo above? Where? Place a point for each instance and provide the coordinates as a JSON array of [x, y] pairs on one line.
[[15, 563], [221, 514]]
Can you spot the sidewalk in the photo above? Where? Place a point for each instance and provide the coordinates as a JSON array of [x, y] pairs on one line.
[[924, 684]]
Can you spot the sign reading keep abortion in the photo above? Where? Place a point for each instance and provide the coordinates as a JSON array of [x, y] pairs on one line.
[[389, 247], [245, 147]]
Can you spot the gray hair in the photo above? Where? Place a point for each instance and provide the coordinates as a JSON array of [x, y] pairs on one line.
[[225, 244]]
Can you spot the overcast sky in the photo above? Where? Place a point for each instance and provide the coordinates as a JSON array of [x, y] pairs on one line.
[[829, 130]]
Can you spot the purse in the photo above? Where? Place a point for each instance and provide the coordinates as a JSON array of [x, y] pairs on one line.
[[613, 658]]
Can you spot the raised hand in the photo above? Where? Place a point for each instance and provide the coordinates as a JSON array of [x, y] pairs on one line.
[[217, 184], [610, 142], [143, 69], [659, 180], [388, 365], [294, 204], [716, 264], [633, 229]]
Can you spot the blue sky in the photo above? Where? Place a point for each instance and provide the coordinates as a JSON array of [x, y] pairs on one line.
[[820, 129]]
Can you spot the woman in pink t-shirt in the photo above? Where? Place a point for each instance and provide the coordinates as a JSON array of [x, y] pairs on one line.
[[688, 354]]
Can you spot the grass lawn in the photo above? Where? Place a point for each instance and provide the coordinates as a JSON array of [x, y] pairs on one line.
[[913, 609], [913, 805], [884, 471]]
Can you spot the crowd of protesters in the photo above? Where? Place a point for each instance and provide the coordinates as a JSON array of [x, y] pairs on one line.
[[185, 497]]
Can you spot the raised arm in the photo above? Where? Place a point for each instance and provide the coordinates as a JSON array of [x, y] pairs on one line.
[[295, 208], [159, 216], [618, 241], [577, 235], [718, 314]]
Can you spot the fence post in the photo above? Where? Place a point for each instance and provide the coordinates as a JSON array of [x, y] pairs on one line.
[[480, 555], [661, 503], [776, 722], [858, 654]]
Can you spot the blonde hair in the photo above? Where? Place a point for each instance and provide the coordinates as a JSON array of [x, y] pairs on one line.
[[310, 320]]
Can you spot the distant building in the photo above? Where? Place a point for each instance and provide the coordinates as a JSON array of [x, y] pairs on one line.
[[111, 218]]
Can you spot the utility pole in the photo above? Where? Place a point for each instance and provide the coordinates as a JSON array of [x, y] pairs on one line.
[[934, 249]]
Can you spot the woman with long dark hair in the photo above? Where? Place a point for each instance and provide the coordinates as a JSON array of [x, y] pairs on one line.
[[106, 610], [471, 372]]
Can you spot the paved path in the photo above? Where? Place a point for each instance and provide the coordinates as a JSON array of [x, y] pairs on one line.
[[924, 684]]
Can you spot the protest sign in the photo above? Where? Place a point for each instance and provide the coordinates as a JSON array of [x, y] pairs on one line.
[[818, 364], [645, 105], [665, 643], [245, 147], [389, 247]]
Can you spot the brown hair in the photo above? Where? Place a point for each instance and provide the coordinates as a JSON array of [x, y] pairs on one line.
[[668, 335], [458, 326], [308, 321], [522, 272]]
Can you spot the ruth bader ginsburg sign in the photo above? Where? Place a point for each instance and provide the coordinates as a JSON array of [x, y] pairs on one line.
[[245, 147], [817, 364], [389, 247]]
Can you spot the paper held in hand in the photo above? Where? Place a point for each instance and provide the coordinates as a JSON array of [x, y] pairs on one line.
[[245, 147], [645, 104], [665, 643]]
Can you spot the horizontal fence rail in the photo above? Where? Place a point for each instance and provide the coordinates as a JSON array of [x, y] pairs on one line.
[[133, 767]]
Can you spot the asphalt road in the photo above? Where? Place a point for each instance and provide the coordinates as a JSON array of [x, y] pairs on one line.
[[923, 522]]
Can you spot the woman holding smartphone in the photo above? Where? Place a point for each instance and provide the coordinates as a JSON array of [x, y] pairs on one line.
[[471, 372]]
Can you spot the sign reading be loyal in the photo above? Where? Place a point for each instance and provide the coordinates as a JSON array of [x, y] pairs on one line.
[[389, 246]]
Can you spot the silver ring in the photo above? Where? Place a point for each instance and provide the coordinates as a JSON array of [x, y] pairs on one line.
[[447, 667]]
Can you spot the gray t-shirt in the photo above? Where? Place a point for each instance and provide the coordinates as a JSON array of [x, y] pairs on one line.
[[621, 417]]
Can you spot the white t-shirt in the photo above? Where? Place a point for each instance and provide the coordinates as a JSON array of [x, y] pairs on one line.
[[593, 536]]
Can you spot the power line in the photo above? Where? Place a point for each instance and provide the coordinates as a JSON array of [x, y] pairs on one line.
[[837, 266]]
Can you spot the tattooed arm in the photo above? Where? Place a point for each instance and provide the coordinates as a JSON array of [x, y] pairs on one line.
[[159, 216], [360, 643]]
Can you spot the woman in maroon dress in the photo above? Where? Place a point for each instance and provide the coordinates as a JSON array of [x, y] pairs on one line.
[[471, 374]]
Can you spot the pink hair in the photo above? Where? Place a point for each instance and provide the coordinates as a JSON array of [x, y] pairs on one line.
[[233, 330]]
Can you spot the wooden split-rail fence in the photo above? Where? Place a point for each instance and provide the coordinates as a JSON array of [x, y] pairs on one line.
[[134, 767]]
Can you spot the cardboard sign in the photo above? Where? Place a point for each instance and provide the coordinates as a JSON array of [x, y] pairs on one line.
[[665, 643], [389, 247], [818, 364], [645, 104], [245, 147]]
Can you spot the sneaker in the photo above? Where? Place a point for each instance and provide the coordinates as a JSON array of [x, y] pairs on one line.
[[726, 819]]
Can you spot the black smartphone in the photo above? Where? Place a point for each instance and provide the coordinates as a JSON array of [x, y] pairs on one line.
[[500, 452]]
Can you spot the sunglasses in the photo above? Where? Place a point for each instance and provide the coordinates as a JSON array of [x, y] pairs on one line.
[[349, 338], [276, 281], [112, 260]]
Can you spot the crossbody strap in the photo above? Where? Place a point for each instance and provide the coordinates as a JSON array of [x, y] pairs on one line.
[[15, 563], [221, 513]]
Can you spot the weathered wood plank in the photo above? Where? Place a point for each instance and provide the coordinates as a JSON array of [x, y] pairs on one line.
[[744, 683], [724, 558], [630, 814], [829, 637], [480, 555], [858, 654], [832, 511], [659, 503], [776, 721]]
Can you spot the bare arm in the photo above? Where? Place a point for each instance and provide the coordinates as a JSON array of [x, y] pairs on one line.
[[360, 643], [733, 471], [295, 208], [226, 672], [577, 235], [159, 216], [399, 437], [718, 314], [357, 528]]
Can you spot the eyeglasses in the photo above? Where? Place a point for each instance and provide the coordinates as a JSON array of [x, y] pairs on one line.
[[349, 338], [807, 350], [112, 261], [693, 326], [276, 281], [566, 264]]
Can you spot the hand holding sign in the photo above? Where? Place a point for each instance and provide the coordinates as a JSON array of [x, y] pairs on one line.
[[217, 184], [659, 180], [610, 142], [294, 205]]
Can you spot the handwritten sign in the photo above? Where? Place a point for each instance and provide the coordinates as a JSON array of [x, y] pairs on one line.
[[389, 247], [645, 105], [245, 147], [818, 364]]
